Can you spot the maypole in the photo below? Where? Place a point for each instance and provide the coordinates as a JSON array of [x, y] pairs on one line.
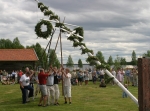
[[76, 36]]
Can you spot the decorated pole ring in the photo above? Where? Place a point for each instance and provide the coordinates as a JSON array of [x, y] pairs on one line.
[[43, 34]]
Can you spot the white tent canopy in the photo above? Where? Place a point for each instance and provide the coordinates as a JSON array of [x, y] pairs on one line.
[[129, 66]]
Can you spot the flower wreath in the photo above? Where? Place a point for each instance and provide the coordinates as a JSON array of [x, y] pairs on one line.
[[44, 34]]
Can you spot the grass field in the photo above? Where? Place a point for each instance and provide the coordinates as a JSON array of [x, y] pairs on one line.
[[84, 98]]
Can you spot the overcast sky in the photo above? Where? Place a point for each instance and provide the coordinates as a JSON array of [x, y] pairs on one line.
[[114, 27]]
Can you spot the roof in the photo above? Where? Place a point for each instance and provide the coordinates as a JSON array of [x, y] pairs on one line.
[[18, 55]]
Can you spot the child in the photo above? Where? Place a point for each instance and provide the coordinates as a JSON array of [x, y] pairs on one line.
[[124, 95], [102, 83]]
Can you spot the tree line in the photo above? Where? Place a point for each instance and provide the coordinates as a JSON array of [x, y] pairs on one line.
[[45, 58], [49, 57], [117, 62]]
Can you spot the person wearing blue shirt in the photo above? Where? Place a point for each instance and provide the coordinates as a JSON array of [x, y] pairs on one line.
[[127, 75]]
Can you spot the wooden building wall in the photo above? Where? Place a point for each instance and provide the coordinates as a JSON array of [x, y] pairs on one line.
[[9, 66]]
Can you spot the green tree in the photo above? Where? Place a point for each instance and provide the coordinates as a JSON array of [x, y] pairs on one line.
[[123, 61], [2, 43], [57, 63], [134, 59], [147, 54], [80, 65], [69, 62], [6, 44], [100, 56], [52, 59], [117, 63], [110, 60], [16, 44], [41, 55]]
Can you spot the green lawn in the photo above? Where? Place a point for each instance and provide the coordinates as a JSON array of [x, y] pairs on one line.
[[84, 98]]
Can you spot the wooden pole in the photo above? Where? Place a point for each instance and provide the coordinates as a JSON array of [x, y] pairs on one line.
[[49, 43], [61, 64], [144, 84], [52, 59], [62, 61]]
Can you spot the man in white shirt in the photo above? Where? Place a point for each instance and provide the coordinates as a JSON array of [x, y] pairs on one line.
[[67, 85], [101, 74], [50, 88], [24, 86]]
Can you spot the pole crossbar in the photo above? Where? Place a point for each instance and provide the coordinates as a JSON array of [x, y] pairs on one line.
[[70, 33], [56, 21]]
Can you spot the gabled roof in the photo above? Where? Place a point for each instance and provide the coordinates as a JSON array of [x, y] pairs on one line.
[[18, 55]]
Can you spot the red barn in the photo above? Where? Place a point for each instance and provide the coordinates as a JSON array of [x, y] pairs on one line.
[[17, 59]]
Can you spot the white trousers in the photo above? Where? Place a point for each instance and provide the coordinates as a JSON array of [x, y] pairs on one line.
[[67, 91], [51, 95], [57, 93]]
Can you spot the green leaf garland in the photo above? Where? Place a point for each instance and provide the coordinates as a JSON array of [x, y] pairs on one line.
[[92, 58], [71, 38], [79, 30], [53, 17], [40, 4], [43, 8], [44, 34], [59, 24], [86, 50], [103, 66], [48, 13], [64, 27], [76, 44]]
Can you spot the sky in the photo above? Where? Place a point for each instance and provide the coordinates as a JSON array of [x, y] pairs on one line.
[[114, 27]]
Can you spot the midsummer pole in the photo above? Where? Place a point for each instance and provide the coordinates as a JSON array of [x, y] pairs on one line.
[[70, 33]]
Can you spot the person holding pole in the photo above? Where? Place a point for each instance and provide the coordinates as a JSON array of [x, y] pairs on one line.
[[25, 85], [50, 87], [56, 87], [42, 76], [67, 84]]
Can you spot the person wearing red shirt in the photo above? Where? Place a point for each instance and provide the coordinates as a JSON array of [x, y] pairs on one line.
[[19, 75], [42, 76]]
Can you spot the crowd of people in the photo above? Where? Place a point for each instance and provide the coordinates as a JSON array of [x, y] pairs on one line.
[[47, 83], [10, 78], [48, 80], [125, 76], [80, 76]]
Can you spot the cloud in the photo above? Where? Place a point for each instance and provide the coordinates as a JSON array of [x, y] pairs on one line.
[[115, 28]]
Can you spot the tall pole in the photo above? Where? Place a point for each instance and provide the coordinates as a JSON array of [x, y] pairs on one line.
[[62, 61], [61, 64], [98, 62]]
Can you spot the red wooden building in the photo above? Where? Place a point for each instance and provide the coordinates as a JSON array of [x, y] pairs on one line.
[[17, 59]]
